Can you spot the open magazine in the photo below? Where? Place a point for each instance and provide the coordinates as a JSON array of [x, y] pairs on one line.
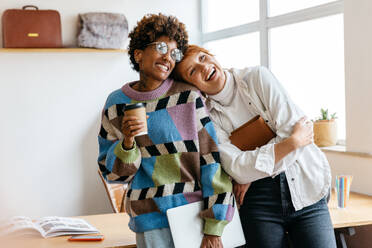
[[46, 226]]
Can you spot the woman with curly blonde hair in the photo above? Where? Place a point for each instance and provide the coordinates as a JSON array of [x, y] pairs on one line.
[[282, 186], [177, 161]]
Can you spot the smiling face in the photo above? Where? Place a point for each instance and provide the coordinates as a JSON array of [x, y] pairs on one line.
[[203, 71], [154, 66]]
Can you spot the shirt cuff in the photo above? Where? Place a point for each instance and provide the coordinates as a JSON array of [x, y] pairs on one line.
[[265, 161], [214, 227], [127, 156]]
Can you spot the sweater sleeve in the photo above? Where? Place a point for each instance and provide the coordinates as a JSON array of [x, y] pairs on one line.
[[216, 184], [115, 163]]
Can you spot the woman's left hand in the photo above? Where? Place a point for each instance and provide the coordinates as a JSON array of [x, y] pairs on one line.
[[303, 133], [211, 241]]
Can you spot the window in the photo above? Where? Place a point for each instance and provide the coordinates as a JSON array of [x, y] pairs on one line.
[[313, 69], [286, 6], [301, 42], [246, 46], [243, 12]]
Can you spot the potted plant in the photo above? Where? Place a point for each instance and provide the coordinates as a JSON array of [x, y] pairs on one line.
[[325, 129]]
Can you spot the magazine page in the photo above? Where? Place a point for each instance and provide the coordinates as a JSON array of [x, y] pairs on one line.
[[19, 226], [58, 226]]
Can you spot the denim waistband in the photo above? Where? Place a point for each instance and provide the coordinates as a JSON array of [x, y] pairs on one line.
[[272, 191]]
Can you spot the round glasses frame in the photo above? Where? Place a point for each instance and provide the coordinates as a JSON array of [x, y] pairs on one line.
[[162, 48]]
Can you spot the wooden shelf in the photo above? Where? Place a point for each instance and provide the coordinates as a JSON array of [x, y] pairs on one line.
[[60, 50]]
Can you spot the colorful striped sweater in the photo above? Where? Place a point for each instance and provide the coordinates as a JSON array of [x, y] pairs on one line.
[[176, 163]]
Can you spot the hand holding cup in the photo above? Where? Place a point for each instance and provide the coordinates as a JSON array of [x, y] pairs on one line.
[[134, 123]]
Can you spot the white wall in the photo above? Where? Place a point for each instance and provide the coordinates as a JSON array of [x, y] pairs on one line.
[[50, 108], [357, 166], [358, 76], [186, 11], [358, 80]]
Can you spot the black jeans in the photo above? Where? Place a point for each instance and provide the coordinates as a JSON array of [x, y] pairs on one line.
[[269, 218]]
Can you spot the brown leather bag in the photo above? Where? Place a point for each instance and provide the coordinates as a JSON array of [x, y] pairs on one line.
[[255, 133], [25, 28]]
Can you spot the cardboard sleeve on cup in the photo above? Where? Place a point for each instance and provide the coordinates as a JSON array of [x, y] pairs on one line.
[[138, 110]]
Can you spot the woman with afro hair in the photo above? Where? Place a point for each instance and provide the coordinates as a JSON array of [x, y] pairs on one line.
[[177, 161]]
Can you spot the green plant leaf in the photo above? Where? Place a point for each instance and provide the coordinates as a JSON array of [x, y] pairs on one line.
[[324, 115]]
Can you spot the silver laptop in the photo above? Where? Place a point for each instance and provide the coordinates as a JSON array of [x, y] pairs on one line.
[[186, 227]]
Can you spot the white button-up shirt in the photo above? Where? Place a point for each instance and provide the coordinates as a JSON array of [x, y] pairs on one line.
[[255, 91]]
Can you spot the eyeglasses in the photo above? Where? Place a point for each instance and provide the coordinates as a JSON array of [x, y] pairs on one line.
[[162, 48]]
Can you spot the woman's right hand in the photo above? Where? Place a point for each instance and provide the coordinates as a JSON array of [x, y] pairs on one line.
[[303, 133], [130, 127], [239, 191]]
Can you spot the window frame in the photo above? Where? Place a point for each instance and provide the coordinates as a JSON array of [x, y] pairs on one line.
[[265, 23]]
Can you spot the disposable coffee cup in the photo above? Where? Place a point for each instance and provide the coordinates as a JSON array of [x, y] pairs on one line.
[[138, 110]]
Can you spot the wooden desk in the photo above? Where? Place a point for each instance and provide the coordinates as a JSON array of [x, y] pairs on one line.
[[113, 226], [117, 234], [357, 213]]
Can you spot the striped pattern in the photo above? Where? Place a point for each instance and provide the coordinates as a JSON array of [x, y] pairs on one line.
[[161, 191], [213, 157], [170, 101], [176, 163], [163, 103], [170, 148], [226, 198]]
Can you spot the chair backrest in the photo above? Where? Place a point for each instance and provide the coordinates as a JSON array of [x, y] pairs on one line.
[[116, 193]]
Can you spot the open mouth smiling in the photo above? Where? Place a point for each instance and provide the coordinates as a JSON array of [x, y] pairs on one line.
[[163, 67], [211, 74]]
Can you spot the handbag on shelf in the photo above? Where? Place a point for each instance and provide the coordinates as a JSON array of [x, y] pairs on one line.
[[255, 133], [102, 30], [30, 27]]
